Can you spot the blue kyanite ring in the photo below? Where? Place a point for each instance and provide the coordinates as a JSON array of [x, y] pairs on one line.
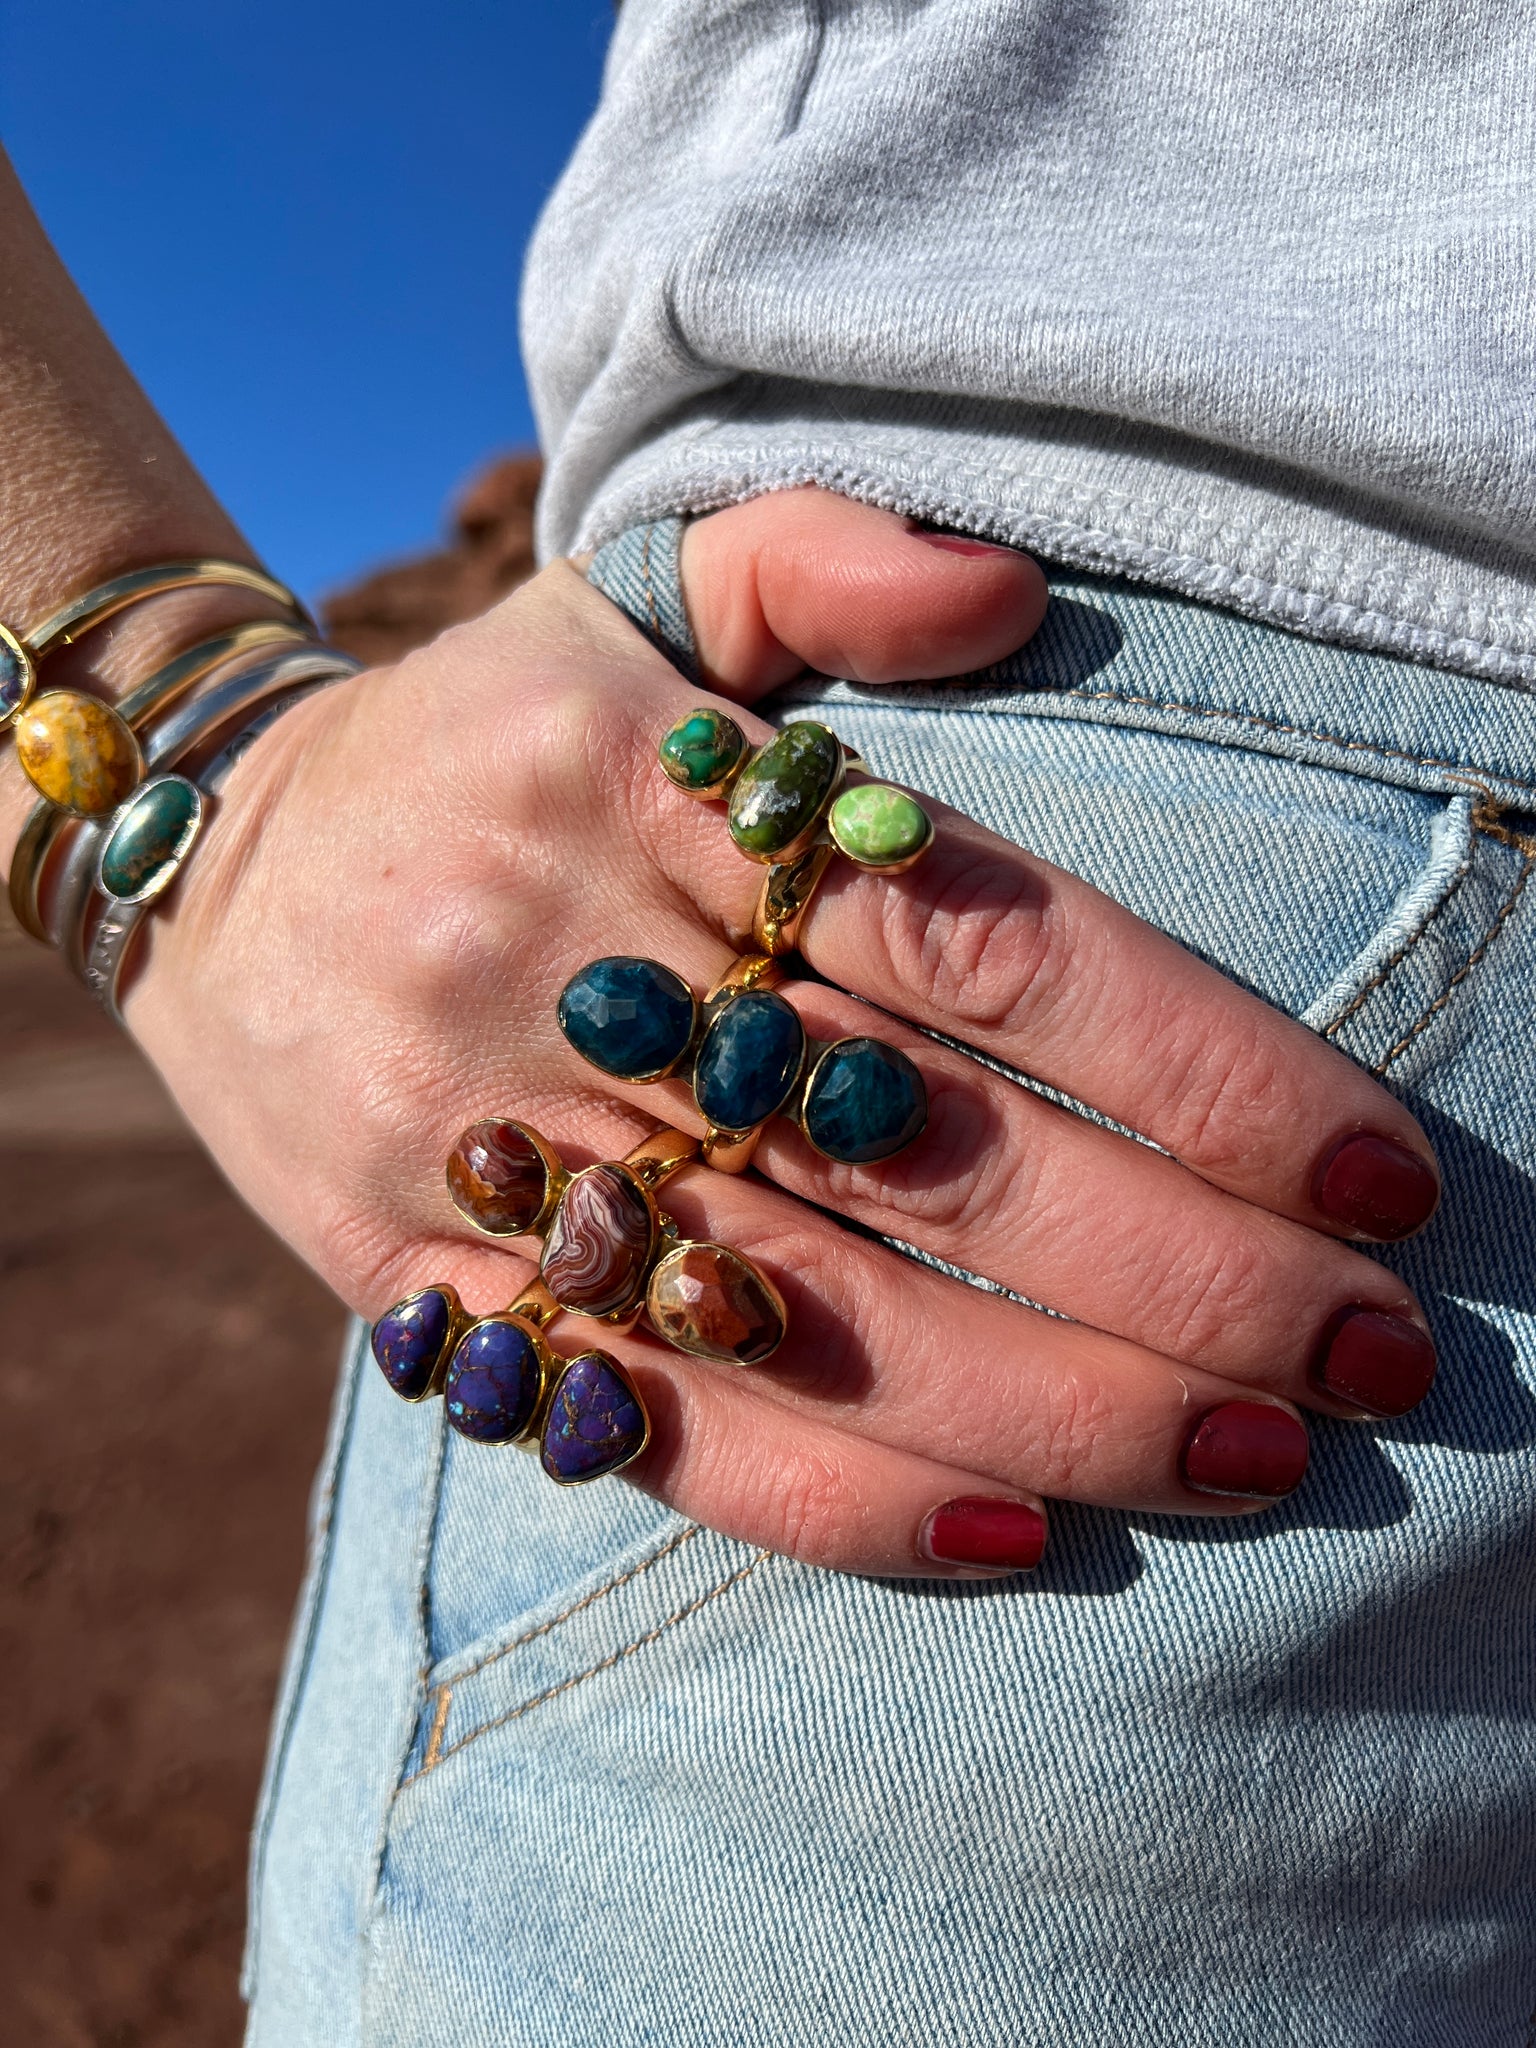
[[410, 1338], [633, 1018], [494, 1380], [749, 1060], [595, 1422], [864, 1101]]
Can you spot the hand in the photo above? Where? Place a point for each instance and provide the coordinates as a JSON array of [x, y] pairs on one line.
[[407, 869]]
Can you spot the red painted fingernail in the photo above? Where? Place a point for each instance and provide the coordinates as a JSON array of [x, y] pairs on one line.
[[1005, 1535], [962, 544], [1381, 1363], [1376, 1186], [1247, 1449]]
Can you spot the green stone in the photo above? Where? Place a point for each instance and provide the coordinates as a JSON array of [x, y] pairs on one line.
[[878, 826], [149, 839], [782, 792], [701, 750]]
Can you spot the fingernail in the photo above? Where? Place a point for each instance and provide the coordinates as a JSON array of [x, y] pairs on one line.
[[1003, 1535], [1247, 1449], [1376, 1186], [1378, 1362], [962, 543]]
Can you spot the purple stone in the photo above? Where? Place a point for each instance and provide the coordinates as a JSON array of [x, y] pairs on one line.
[[493, 1383], [595, 1422], [409, 1340]]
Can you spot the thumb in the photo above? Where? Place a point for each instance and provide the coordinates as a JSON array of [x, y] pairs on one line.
[[805, 579]]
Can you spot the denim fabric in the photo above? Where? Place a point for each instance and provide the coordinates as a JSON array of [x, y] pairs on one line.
[[1234, 299], [564, 1770], [639, 572]]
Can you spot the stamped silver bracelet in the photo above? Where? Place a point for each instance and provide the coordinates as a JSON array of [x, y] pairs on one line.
[[296, 677], [167, 742]]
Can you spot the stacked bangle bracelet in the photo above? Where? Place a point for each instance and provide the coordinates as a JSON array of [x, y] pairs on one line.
[[162, 819], [114, 824], [78, 751], [166, 687]]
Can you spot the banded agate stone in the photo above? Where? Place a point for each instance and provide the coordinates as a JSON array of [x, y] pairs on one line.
[[409, 1340], [495, 1377], [748, 1060], [600, 1243], [783, 790], [633, 1018], [879, 827], [77, 752], [864, 1101], [707, 1300], [150, 838], [595, 1423], [497, 1177], [701, 751]]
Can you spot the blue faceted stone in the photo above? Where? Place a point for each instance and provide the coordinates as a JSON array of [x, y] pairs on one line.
[[408, 1340], [595, 1422], [493, 1381], [865, 1101], [749, 1060], [633, 1018]]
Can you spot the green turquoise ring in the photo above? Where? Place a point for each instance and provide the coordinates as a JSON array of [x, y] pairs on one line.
[[790, 808]]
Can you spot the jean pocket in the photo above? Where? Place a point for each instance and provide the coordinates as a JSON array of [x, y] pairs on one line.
[[629, 1606]]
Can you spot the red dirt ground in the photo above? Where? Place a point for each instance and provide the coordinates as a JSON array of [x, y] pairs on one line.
[[164, 1379]]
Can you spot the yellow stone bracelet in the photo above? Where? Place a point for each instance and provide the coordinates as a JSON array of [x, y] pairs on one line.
[[156, 694], [77, 750]]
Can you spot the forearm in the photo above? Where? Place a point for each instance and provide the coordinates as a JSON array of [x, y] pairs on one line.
[[92, 483]]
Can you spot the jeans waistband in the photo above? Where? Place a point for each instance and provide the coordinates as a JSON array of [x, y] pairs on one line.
[[1119, 653]]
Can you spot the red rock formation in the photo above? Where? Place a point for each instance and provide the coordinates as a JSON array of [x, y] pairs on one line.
[[490, 551]]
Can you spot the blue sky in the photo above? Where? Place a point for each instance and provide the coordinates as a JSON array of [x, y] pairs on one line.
[[303, 225]]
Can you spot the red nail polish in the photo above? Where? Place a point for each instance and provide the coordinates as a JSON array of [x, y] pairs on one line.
[[1378, 1362], [962, 544], [1005, 1535], [1376, 1186], [1247, 1449]]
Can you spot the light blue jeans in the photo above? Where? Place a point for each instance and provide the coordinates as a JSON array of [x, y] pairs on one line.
[[562, 1770]]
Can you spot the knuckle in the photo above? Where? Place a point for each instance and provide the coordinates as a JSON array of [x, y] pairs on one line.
[[1197, 1300], [986, 949], [1216, 1093], [961, 1177], [1073, 1422], [808, 1514]]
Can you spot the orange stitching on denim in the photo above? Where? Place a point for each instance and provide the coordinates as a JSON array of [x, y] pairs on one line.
[[645, 578], [1506, 911], [587, 1600], [1301, 732], [1395, 960], [439, 1723], [594, 1670]]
